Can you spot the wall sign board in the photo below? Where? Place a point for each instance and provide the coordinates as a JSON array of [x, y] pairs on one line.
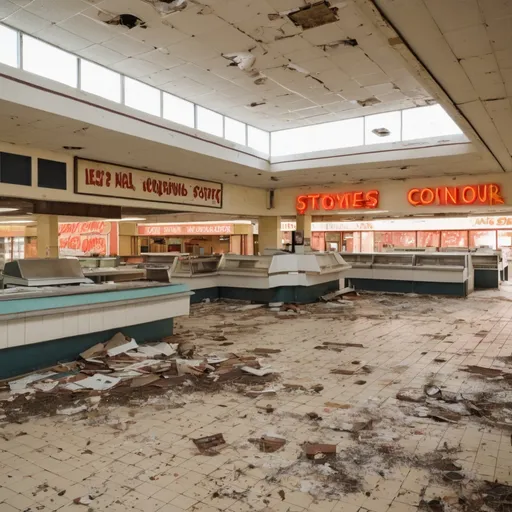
[[342, 201], [109, 180]]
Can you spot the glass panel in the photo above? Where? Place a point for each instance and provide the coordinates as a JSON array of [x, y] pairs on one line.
[[377, 126], [454, 239], [234, 131], [485, 238], [258, 139], [46, 60], [100, 81], [8, 46], [423, 122], [366, 241], [178, 110], [141, 97], [339, 134], [209, 121], [429, 238]]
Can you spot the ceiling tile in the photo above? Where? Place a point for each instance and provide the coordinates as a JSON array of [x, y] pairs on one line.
[[160, 78], [469, 42], [136, 67], [192, 50], [7, 8], [500, 33], [324, 34], [101, 55], [162, 58], [485, 76], [227, 40], [26, 21], [452, 15], [160, 36], [191, 21], [127, 46], [493, 9], [63, 39], [55, 10], [88, 28]]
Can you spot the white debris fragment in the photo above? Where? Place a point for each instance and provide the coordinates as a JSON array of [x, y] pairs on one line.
[[121, 349], [20, 385], [69, 411], [259, 372], [98, 382]]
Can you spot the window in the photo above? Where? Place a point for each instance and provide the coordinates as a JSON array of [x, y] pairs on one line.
[[234, 131], [50, 62], [210, 122], [376, 127], [51, 174], [100, 81], [141, 97], [178, 110], [15, 169], [320, 137], [424, 122], [258, 139], [8, 46]]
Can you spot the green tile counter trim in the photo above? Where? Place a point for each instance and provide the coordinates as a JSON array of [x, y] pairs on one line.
[[9, 307], [26, 358]]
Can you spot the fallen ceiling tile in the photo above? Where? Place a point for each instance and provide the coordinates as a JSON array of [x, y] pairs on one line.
[[244, 60], [369, 102], [314, 15]]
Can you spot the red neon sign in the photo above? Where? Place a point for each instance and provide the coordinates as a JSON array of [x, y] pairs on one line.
[[345, 201], [487, 194]]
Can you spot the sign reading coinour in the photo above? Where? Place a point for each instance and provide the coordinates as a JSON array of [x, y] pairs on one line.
[[109, 180]]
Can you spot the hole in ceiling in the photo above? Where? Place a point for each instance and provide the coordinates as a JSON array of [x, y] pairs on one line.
[[273, 178], [349, 42], [314, 15], [127, 20], [274, 16], [368, 102], [73, 148], [244, 60], [257, 104], [261, 80], [381, 132]]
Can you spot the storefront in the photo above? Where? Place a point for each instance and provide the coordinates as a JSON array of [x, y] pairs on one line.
[[93, 238], [378, 235], [196, 238]]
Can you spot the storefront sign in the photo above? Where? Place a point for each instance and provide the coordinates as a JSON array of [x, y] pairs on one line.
[[487, 194], [84, 238], [108, 180], [186, 229], [345, 201]]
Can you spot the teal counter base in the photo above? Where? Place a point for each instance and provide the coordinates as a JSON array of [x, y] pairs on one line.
[[421, 288], [26, 358], [487, 278], [291, 294]]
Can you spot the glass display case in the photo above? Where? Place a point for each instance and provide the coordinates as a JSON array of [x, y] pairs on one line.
[[189, 266]]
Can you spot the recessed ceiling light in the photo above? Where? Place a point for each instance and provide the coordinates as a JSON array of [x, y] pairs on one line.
[[125, 219], [16, 221], [4, 210]]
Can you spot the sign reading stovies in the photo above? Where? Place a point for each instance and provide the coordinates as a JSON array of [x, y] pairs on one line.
[[101, 179]]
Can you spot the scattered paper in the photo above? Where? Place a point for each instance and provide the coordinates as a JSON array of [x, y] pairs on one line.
[[261, 372], [159, 349], [98, 382], [45, 385], [69, 411], [93, 351], [120, 349], [20, 385]]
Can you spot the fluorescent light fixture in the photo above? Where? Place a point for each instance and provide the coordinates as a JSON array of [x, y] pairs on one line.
[[125, 219], [16, 221], [4, 210], [359, 212]]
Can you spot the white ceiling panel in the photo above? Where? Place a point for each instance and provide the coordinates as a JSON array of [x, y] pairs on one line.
[[7, 8], [336, 64]]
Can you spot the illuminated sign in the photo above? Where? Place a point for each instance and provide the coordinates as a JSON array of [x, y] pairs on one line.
[[345, 201], [186, 229], [487, 194]]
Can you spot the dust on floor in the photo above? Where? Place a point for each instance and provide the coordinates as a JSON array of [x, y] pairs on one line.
[[445, 444]]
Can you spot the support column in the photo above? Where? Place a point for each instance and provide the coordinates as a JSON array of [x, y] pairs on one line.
[[269, 233], [304, 225], [47, 236]]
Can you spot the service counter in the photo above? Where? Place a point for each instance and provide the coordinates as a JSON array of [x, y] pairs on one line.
[[423, 273], [45, 317], [268, 278]]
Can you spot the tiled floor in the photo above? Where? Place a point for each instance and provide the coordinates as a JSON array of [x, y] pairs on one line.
[[142, 458]]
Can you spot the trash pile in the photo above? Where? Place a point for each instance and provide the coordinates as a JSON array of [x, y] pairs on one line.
[[120, 369]]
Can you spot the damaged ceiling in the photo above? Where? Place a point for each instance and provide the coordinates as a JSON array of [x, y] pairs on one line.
[[466, 45], [272, 63]]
